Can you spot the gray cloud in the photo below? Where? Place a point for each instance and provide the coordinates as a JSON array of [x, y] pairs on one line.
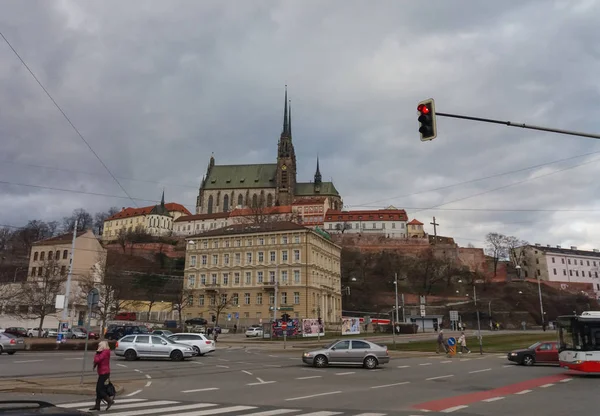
[[157, 86]]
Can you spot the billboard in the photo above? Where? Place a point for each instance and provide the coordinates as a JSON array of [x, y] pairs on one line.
[[291, 330], [311, 328], [350, 326]]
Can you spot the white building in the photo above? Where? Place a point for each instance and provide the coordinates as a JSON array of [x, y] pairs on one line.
[[390, 222]]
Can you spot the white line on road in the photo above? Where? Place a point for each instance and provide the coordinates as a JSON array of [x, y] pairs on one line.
[[197, 390], [307, 377], [247, 372], [390, 385], [27, 361], [148, 384], [465, 359], [547, 385], [214, 411], [223, 359], [425, 364], [82, 404], [439, 377], [76, 358], [260, 379], [148, 376], [133, 393], [524, 392], [197, 362], [446, 362], [260, 383], [370, 414], [272, 365], [480, 371], [454, 409], [222, 366], [566, 380], [480, 358], [403, 366], [273, 412], [122, 365], [139, 371], [508, 365], [323, 413], [493, 399], [274, 356], [500, 356], [312, 395], [293, 359], [345, 374]]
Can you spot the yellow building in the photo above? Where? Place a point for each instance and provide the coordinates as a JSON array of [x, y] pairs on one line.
[[156, 220], [245, 264]]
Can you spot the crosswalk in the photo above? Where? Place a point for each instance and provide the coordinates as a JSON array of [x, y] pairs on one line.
[[139, 407]]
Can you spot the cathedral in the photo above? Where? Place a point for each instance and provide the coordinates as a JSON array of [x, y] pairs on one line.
[[225, 187]]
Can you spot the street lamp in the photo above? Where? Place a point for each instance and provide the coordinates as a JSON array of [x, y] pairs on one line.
[[478, 320]]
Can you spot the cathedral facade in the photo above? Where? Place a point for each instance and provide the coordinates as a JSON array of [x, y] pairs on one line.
[[225, 187]]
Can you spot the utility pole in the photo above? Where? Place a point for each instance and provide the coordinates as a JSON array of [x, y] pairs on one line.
[[65, 313], [396, 288], [541, 304], [275, 298], [434, 230], [478, 321]]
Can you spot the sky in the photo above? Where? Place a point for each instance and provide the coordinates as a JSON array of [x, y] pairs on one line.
[[156, 87]]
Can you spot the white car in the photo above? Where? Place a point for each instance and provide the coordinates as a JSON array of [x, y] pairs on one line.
[[198, 342], [254, 331]]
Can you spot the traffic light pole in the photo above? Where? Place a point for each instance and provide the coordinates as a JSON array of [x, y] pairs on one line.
[[521, 125]]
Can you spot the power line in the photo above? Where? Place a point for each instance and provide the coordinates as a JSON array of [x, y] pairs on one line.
[[66, 117]]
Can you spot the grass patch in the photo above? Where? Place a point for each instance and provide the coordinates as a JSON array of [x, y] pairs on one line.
[[500, 343]]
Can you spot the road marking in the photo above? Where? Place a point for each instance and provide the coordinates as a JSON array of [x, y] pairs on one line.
[[148, 383], [188, 407], [508, 365], [566, 380], [500, 356], [493, 399], [480, 371], [425, 364], [454, 409], [27, 361], [547, 385], [312, 395], [274, 356], [321, 413], [260, 379], [133, 393], [242, 362], [403, 366], [370, 414], [148, 376], [223, 359], [446, 362], [480, 358], [82, 404], [197, 390], [260, 383], [197, 362], [273, 412], [272, 365], [345, 374], [390, 385], [76, 358], [139, 371], [122, 365], [307, 377], [247, 372], [293, 359], [222, 366], [465, 359], [439, 377], [524, 392]]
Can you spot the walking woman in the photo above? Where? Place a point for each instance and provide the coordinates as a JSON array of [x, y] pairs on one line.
[[102, 363], [462, 340]]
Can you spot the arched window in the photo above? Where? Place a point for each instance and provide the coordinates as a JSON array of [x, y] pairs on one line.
[[254, 201], [240, 200], [226, 203], [210, 205], [269, 200]]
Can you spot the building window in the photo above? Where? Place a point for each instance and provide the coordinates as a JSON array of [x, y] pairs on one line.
[[213, 278], [203, 279], [40, 271], [538, 272], [296, 255], [562, 260], [284, 239], [213, 300], [590, 274], [63, 271], [224, 298], [190, 300], [192, 261], [297, 276], [248, 258], [50, 254], [42, 256], [191, 281], [226, 259], [236, 278], [261, 256], [576, 273], [35, 256], [235, 299], [65, 254], [273, 240], [564, 272], [284, 255], [284, 276], [238, 243], [271, 298], [246, 298], [594, 264], [393, 225], [581, 262], [596, 274], [259, 298], [225, 279], [216, 244], [588, 262], [569, 261], [238, 259], [249, 242], [200, 300], [227, 243], [296, 239], [272, 277], [284, 298], [296, 298], [272, 255], [33, 271], [570, 272], [204, 259], [248, 278], [259, 277], [204, 243], [552, 259], [215, 259], [537, 261], [554, 271]]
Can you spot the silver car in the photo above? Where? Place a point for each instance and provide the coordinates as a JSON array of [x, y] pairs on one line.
[[348, 352], [10, 343], [133, 347]]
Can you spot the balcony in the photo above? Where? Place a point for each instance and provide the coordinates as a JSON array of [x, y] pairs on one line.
[[269, 285], [212, 287]]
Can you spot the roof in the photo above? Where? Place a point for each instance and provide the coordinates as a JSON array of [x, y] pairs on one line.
[[244, 212], [66, 238], [134, 212], [310, 200], [415, 222], [566, 251], [367, 215], [252, 229], [202, 217], [308, 189], [242, 176]]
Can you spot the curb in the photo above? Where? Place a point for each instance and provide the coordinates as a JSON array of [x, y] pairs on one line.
[[85, 390]]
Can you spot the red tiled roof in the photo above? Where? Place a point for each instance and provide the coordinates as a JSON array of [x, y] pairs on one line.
[[367, 215], [309, 201], [415, 222], [201, 217], [244, 212], [59, 239], [134, 212], [251, 229]]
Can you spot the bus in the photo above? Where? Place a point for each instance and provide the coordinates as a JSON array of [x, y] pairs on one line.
[[579, 338]]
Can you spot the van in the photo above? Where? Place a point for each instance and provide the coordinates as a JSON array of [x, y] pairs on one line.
[[125, 316]]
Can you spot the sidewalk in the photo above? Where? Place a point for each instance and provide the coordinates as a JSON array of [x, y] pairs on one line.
[[63, 385]]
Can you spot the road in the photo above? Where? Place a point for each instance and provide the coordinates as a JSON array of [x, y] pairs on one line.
[[243, 381]]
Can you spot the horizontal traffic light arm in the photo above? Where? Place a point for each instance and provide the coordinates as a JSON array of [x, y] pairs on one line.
[[522, 125]]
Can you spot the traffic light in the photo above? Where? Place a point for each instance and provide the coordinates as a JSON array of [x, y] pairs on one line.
[[214, 318], [427, 126], [285, 317]]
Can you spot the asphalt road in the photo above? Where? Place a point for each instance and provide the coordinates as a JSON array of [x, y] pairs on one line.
[[243, 381]]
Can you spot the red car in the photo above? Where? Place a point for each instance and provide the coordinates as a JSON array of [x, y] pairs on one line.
[[16, 331], [540, 352]]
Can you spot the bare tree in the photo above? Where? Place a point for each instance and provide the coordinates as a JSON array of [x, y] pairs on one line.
[[84, 220], [101, 216], [35, 230], [427, 271], [515, 249], [222, 303], [496, 248], [260, 214], [6, 235], [181, 300], [343, 226], [36, 297]]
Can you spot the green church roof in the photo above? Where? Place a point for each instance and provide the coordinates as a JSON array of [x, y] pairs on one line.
[[242, 176], [308, 189]]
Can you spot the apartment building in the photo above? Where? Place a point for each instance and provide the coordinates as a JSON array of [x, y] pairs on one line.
[[241, 265], [390, 222]]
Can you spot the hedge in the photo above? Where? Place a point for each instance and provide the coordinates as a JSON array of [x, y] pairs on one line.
[[69, 345]]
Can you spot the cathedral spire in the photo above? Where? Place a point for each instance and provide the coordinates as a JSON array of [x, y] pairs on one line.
[[318, 173], [162, 200], [286, 125], [290, 120]]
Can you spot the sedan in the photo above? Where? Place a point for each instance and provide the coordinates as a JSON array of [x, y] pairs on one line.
[[163, 332], [198, 342], [133, 347], [254, 331], [10, 343], [540, 352], [348, 352]]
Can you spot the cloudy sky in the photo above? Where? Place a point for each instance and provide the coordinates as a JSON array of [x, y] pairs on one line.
[[156, 86]]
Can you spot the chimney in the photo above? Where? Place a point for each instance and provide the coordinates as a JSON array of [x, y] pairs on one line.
[[558, 246], [573, 248], [548, 245], [537, 244]]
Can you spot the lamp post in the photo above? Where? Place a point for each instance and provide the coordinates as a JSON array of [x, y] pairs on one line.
[[478, 321]]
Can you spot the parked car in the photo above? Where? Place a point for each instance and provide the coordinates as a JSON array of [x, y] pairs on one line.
[[126, 316], [254, 331], [540, 352], [10, 343], [16, 330], [163, 332], [133, 347], [196, 321], [35, 332], [74, 333], [348, 352], [198, 342], [92, 334], [50, 332], [34, 408], [119, 331]]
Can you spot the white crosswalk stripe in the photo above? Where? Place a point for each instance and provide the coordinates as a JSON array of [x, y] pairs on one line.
[[140, 407]]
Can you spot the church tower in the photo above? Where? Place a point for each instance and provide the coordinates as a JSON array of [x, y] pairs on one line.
[[317, 182], [286, 159]]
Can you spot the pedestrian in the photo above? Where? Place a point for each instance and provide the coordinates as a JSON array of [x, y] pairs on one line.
[[462, 340], [102, 364], [235, 328], [441, 343]]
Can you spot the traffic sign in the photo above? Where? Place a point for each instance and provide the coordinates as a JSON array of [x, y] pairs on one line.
[[422, 300], [229, 317], [452, 341], [423, 313], [454, 315], [284, 326], [237, 315]]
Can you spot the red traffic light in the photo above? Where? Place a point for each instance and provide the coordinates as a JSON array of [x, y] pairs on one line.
[[424, 109]]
